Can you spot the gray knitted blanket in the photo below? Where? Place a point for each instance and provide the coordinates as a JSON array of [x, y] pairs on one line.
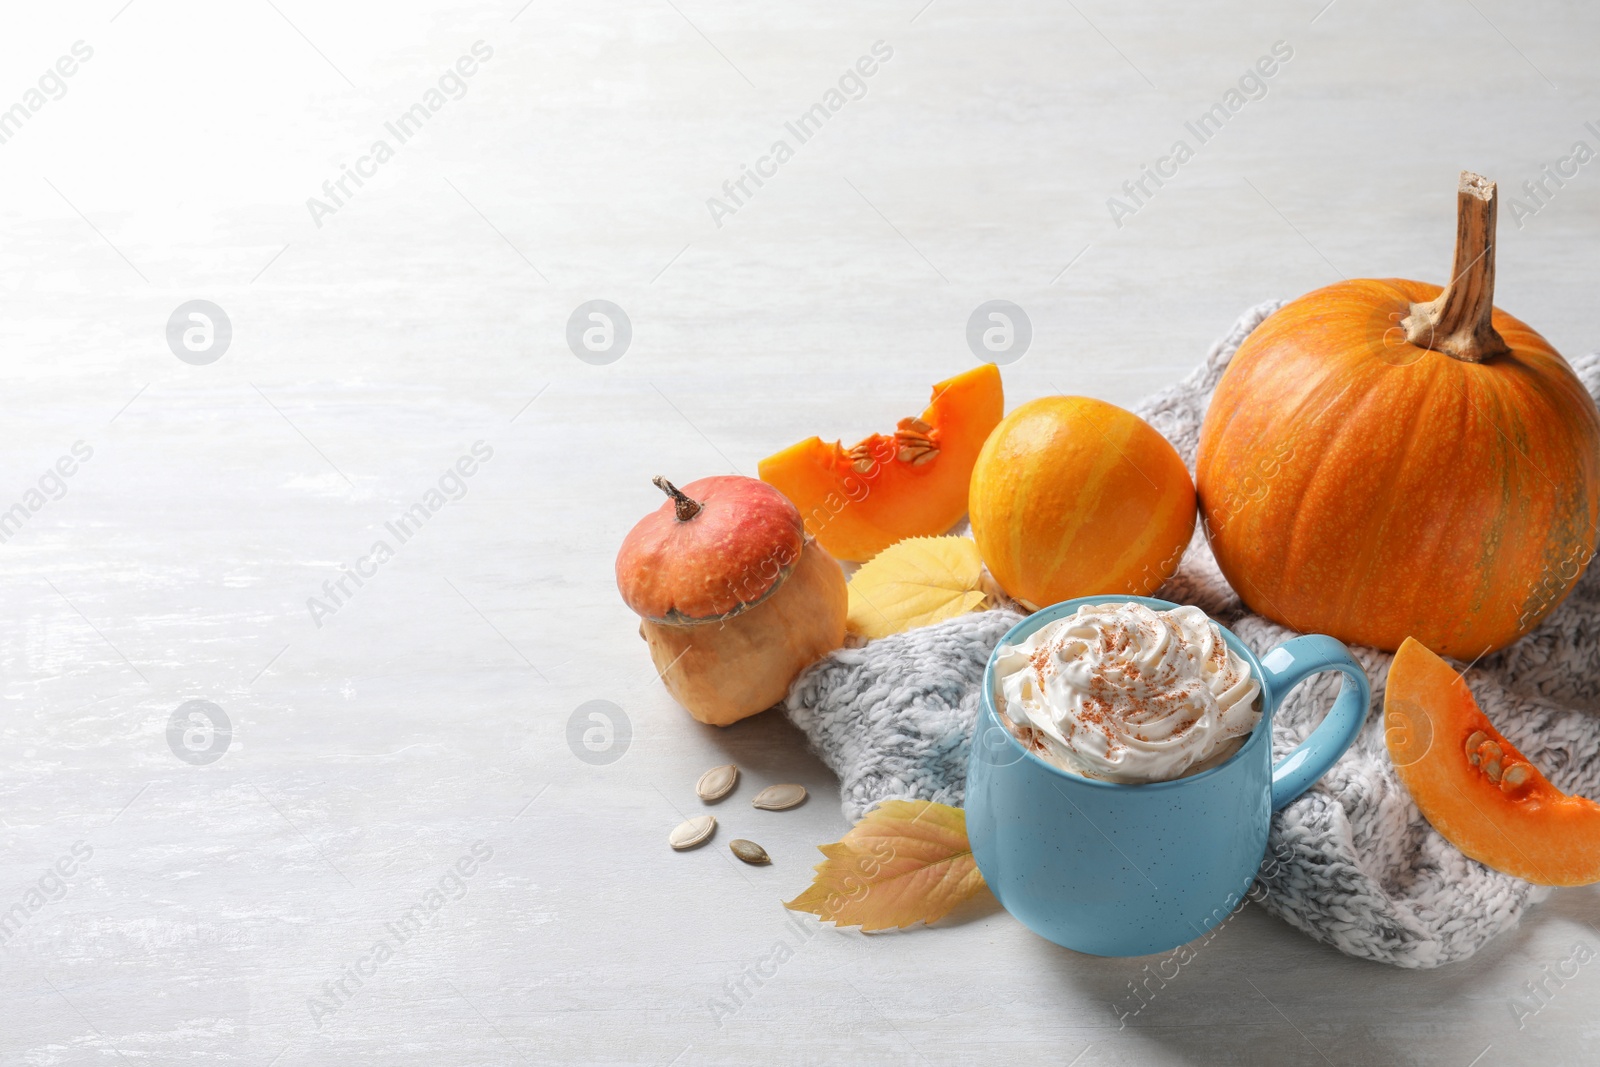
[[1355, 864]]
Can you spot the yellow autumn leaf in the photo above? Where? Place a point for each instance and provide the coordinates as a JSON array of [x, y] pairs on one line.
[[907, 861], [915, 582]]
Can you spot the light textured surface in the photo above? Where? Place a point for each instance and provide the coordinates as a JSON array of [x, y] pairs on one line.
[[431, 710]]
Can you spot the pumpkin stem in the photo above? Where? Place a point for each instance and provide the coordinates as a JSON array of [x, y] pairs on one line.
[[1458, 322], [686, 508]]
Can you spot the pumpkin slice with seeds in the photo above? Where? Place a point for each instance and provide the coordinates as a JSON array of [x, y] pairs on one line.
[[858, 501], [1473, 785]]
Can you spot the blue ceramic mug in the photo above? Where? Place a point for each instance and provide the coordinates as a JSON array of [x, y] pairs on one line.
[[1125, 870]]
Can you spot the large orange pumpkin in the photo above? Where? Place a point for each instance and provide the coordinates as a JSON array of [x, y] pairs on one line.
[[1385, 459], [1472, 784], [1072, 496], [858, 501]]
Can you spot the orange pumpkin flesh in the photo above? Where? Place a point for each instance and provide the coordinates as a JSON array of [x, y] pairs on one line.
[[1472, 784], [1073, 497], [1356, 482], [912, 483]]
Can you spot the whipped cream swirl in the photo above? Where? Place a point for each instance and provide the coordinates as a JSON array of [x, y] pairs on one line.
[[1123, 693]]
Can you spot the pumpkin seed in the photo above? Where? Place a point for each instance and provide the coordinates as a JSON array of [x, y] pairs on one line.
[[1474, 739], [749, 851], [1515, 775], [780, 797], [718, 782], [1492, 769], [692, 833]]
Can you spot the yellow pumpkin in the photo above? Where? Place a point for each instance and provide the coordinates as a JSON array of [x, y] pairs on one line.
[[1073, 497]]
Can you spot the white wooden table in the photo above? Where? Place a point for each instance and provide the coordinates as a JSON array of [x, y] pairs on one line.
[[229, 911]]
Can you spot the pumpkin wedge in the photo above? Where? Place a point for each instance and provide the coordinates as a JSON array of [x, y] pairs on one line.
[[1473, 785], [858, 501]]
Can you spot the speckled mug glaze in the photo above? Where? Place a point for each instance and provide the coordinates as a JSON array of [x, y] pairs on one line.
[[1126, 870]]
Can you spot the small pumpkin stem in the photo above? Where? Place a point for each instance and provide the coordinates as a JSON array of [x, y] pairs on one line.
[[1458, 322], [686, 508]]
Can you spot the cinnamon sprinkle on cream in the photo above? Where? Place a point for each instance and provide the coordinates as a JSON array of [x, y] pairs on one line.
[[1121, 692]]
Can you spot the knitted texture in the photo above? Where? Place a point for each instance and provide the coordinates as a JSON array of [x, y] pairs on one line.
[[1355, 864]]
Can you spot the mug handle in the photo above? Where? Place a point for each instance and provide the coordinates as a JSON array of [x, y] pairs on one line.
[[1286, 667]]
